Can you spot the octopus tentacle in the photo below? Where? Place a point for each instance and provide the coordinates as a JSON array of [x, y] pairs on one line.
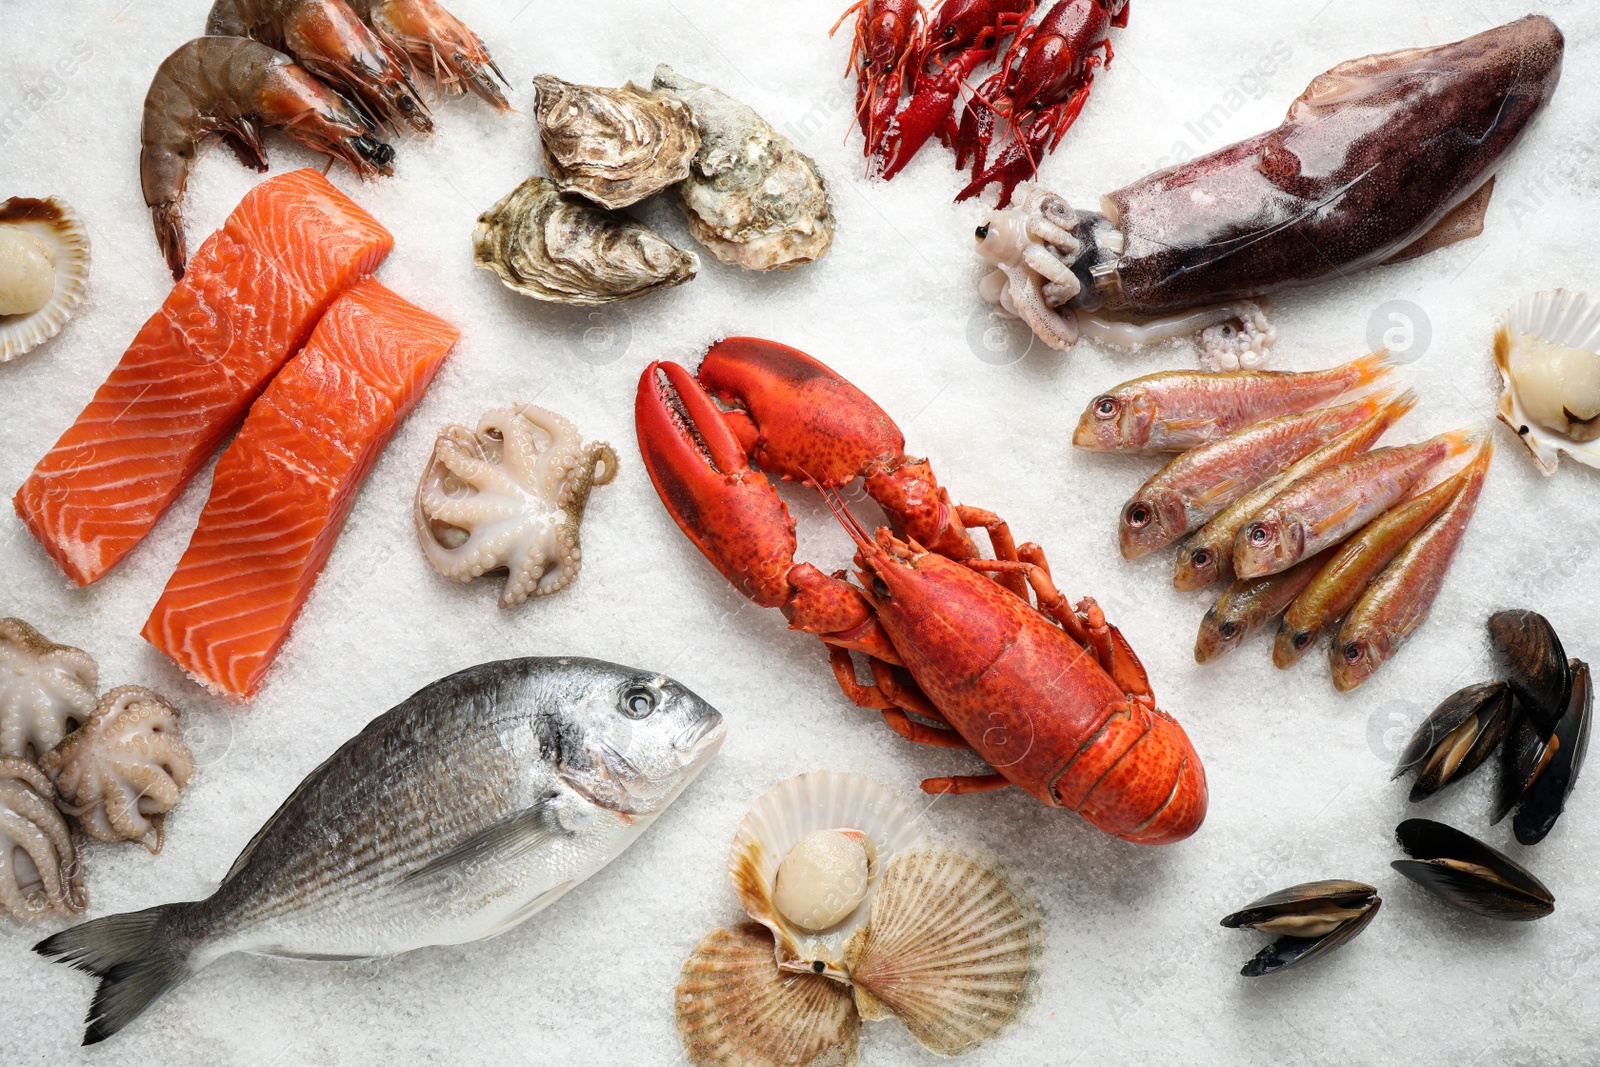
[[39, 873]]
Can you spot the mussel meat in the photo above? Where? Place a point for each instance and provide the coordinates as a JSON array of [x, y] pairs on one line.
[[1309, 919], [552, 246], [613, 146], [1459, 735], [1534, 662], [1469, 874]]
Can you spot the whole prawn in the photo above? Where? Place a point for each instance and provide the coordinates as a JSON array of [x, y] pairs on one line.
[[437, 42], [329, 39], [233, 87]]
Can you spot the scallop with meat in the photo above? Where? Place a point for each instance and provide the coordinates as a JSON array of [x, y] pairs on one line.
[[1548, 350], [44, 267]]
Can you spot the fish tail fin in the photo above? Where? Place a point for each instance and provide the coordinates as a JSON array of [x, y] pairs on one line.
[[1398, 408], [1364, 370], [1458, 441], [136, 956]]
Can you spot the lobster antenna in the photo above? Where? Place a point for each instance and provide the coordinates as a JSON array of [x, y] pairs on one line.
[[851, 524]]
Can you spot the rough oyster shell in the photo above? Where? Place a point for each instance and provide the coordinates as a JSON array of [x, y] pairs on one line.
[[46, 690], [775, 824], [560, 248], [39, 871], [752, 197], [952, 949], [735, 1008], [613, 146], [50, 225], [123, 770], [1529, 380]]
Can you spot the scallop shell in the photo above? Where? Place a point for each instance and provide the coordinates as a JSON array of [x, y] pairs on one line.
[[561, 248], [820, 800], [952, 949], [54, 222], [735, 1008], [1561, 316], [752, 198], [613, 146]]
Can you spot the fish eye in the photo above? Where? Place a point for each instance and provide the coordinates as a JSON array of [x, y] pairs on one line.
[[1258, 534], [1106, 406], [1301, 640], [638, 702], [1138, 515], [1229, 628], [1352, 653], [1201, 558], [879, 586]]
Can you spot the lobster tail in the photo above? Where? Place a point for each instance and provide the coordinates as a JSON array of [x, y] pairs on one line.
[[1139, 779]]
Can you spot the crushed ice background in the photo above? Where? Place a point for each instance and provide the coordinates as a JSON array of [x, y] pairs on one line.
[[1137, 969]]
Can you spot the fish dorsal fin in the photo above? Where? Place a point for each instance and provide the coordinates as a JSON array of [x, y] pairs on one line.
[[502, 841]]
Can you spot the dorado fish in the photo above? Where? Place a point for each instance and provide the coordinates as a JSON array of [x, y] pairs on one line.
[[453, 816], [1174, 411]]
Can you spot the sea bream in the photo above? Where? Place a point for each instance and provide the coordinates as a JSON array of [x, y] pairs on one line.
[[453, 816]]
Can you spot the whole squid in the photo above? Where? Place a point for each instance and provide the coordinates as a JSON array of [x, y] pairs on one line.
[[1380, 159]]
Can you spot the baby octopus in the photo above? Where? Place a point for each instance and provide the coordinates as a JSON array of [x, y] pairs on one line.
[[39, 872], [46, 690], [122, 771], [509, 497]]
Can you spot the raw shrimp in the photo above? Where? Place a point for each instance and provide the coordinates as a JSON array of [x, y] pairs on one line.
[[329, 39], [438, 42], [234, 87]]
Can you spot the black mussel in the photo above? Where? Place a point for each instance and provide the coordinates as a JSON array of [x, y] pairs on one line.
[[1560, 760], [1469, 874], [1535, 665], [1519, 759], [1310, 919], [1457, 737]]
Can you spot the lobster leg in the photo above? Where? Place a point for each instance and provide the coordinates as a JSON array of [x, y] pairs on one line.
[[889, 697], [963, 784], [1000, 539]]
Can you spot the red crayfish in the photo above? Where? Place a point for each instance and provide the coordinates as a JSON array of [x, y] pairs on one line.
[[964, 651]]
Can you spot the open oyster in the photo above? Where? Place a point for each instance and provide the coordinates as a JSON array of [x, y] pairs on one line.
[[509, 497], [122, 771], [613, 146], [556, 247], [44, 266], [1547, 347], [39, 871], [752, 197], [46, 690]]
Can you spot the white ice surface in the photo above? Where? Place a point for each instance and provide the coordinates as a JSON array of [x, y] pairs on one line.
[[1138, 971]]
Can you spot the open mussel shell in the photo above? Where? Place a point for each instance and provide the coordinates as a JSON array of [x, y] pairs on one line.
[[735, 1008], [786, 814], [613, 146], [1535, 664], [952, 950], [1547, 348], [1560, 758], [44, 269], [1469, 874], [1459, 735], [1309, 919], [551, 246]]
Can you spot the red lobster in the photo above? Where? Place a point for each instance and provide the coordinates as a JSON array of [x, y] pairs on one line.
[[1041, 87], [1052, 697]]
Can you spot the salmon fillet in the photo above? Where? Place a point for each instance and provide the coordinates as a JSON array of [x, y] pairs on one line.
[[283, 488], [250, 297]]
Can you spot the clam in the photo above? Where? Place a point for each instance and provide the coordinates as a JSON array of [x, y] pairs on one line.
[[1457, 737], [1308, 919], [44, 267], [813, 909], [560, 248], [1540, 768], [613, 146], [1535, 664], [1547, 347], [752, 197], [1469, 874]]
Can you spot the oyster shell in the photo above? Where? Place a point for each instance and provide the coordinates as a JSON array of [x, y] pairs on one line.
[[752, 197], [1469, 874], [1547, 348], [44, 267], [556, 247], [735, 1008], [613, 146], [952, 949], [821, 800], [1309, 919]]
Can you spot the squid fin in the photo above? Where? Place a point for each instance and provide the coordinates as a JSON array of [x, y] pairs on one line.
[[1462, 222]]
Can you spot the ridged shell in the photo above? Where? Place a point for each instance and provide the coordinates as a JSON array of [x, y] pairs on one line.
[[1561, 316], [736, 1009], [952, 949], [561, 248], [752, 197], [54, 222], [820, 800], [613, 146]]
